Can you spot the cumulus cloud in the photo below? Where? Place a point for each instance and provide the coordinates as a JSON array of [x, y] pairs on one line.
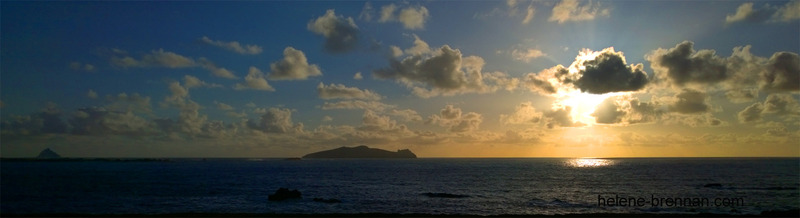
[[767, 13], [223, 106], [411, 17], [276, 120], [627, 110], [194, 82], [81, 67], [293, 66], [592, 72], [742, 95], [690, 101], [405, 114], [91, 94], [99, 121], [682, 64], [47, 121], [782, 72], [234, 46], [444, 70], [573, 10], [341, 34], [334, 91], [356, 104], [524, 113], [254, 80], [452, 118], [560, 117], [366, 12], [156, 58], [526, 55], [216, 71], [529, 12], [358, 76], [127, 103]]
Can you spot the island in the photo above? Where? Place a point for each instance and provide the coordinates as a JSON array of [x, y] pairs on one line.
[[48, 154], [361, 151]]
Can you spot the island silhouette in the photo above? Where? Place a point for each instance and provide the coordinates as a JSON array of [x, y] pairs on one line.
[[361, 151]]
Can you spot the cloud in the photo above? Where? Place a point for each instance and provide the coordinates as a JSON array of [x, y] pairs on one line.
[[47, 121], [524, 113], [341, 34], [627, 110], [529, 12], [406, 114], [126, 103], [91, 94], [690, 101], [789, 12], [356, 104], [293, 66], [742, 95], [99, 121], [223, 106], [334, 91], [366, 12], [782, 72], [82, 67], [751, 113], [682, 64], [745, 12], [276, 120], [608, 72], [592, 72], [234, 46], [254, 80], [420, 47], [411, 17], [327, 119], [358, 76], [444, 70], [767, 13], [216, 71], [560, 117], [572, 10], [156, 58], [452, 118], [526, 55], [194, 82]]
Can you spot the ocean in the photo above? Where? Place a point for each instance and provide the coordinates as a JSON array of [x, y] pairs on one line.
[[475, 186]]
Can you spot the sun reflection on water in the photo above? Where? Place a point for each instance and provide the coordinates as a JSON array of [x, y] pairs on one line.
[[589, 162]]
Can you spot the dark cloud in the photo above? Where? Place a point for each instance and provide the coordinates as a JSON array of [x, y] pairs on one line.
[[455, 120], [776, 104], [341, 34], [560, 117], [99, 121], [609, 112], [682, 64], [782, 72], [690, 102], [608, 72], [48, 120], [276, 120], [742, 95]]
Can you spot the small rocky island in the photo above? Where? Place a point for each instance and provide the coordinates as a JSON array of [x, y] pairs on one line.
[[48, 154], [361, 151]]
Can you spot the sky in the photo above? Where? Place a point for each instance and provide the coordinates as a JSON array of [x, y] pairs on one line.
[[442, 78]]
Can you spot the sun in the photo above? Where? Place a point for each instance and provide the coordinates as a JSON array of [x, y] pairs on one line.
[[582, 104]]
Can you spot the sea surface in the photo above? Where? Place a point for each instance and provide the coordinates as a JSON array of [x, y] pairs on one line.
[[402, 186]]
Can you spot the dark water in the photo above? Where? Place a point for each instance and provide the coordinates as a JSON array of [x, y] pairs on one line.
[[485, 186]]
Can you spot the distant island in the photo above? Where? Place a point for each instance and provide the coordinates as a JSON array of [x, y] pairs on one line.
[[361, 151], [48, 154]]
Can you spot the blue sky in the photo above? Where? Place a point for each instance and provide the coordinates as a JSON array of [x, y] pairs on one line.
[[444, 78]]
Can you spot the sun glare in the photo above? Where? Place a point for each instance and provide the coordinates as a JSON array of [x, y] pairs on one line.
[[589, 162], [583, 105]]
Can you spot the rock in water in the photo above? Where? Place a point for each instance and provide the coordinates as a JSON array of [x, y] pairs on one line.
[[284, 194], [47, 153]]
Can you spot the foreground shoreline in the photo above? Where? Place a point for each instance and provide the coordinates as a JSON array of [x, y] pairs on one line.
[[786, 213]]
